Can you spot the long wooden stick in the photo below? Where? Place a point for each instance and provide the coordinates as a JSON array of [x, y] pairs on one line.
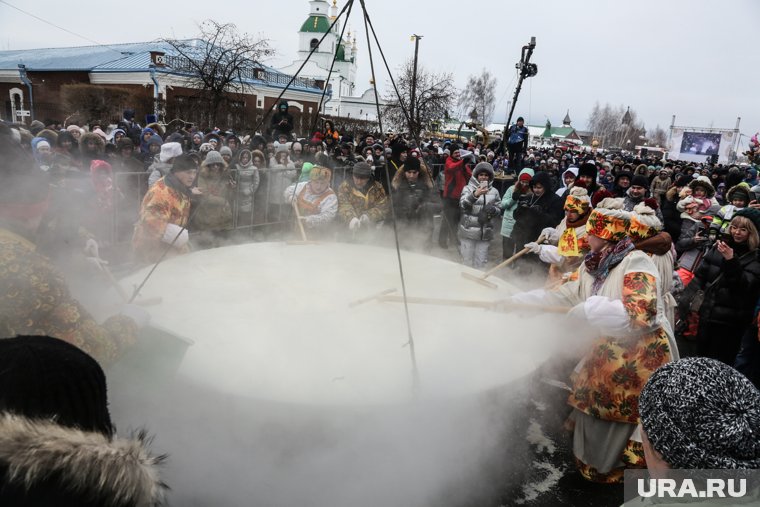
[[512, 259], [370, 298], [300, 223], [490, 305]]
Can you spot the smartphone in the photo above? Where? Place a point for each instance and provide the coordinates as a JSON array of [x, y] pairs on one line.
[[483, 184]]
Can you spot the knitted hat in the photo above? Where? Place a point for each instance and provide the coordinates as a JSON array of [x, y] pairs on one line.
[[319, 173], [170, 151], [362, 170], [608, 223], [483, 167], [213, 157], [526, 174], [225, 150], [411, 164], [644, 223], [740, 191], [578, 201], [752, 214], [48, 378], [701, 413], [704, 182], [640, 181]]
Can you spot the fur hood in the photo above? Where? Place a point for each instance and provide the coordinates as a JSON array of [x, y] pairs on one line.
[[116, 472], [99, 143]]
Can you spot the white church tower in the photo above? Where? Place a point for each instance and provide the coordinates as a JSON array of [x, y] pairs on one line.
[[343, 77]]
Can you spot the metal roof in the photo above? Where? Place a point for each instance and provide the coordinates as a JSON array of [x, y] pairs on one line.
[[82, 58], [129, 57]]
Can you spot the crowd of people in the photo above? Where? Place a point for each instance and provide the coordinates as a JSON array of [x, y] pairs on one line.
[[659, 258]]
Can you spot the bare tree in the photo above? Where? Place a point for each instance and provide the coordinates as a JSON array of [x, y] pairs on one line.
[[658, 137], [435, 96], [219, 62], [479, 96], [616, 127]]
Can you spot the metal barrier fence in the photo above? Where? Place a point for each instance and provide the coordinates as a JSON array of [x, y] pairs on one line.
[[268, 210]]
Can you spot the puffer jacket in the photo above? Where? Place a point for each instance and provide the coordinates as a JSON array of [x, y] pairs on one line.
[[508, 206], [730, 301], [247, 183], [478, 213], [688, 248]]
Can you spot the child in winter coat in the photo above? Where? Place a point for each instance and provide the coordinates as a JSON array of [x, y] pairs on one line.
[[660, 185], [480, 204], [738, 198]]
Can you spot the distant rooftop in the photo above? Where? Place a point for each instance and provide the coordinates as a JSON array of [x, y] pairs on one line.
[[128, 57]]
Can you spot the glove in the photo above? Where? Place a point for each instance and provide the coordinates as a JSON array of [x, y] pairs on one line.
[[91, 249], [171, 232], [364, 219], [137, 313], [550, 234], [534, 247], [354, 224]]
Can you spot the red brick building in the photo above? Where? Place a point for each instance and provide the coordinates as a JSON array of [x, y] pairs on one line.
[[31, 84]]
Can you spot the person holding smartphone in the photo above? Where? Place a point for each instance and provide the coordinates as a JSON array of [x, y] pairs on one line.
[[480, 203]]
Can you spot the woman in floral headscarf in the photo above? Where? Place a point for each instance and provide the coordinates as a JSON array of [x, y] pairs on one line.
[[616, 294], [567, 244]]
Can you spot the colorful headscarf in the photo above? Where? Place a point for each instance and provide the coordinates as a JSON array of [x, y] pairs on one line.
[[643, 223], [608, 223]]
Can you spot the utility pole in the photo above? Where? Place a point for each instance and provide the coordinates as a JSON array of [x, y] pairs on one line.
[[416, 38]]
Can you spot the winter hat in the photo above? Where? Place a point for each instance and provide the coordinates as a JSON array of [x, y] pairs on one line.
[[483, 167], [41, 143], [155, 139], [36, 126], [125, 143], [184, 163], [101, 134], [644, 223], [623, 174], [411, 164], [225, 150], [319, 173], [752, 214], [640, 181], [47, 378], [170, 151], [578, 201], [362, 170], [740, 191], [683, 181], [587, 169], [282, 148], [701, 413], [213, 157], [526, 175], [74, 128], [204, 147], [599, 196], [704, 182], [608, 221]]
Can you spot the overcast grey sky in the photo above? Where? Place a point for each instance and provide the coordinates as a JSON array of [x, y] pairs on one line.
[[696, 59]]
